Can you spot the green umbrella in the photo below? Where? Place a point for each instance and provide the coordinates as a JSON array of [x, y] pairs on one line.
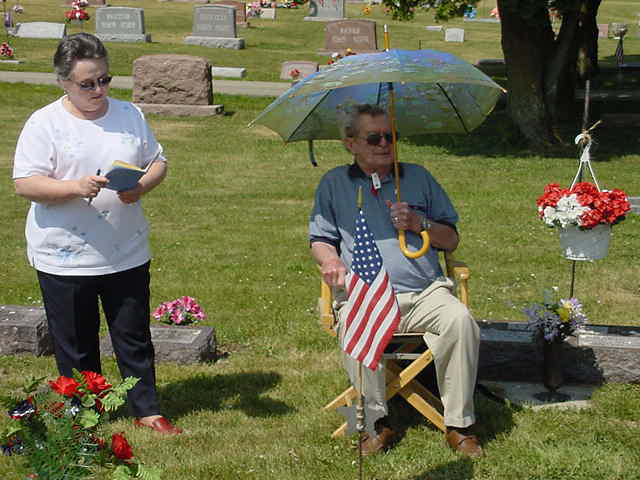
[[435, 92]]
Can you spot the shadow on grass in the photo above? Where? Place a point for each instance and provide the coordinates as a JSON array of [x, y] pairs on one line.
[[239, 391], [493, 415], [460, 470]]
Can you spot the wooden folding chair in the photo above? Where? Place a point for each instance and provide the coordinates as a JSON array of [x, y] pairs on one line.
[[400, 380]]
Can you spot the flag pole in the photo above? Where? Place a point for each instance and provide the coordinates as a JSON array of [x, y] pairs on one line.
[[396, 167]]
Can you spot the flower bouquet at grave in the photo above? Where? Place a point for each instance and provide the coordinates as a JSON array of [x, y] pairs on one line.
[[59, 428], [582, 205], [6, 51], [77, 12], [181, 311], [554, 320]]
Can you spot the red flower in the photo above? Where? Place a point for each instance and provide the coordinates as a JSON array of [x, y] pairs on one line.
[[95, 382], [120, 447], [65, 386]]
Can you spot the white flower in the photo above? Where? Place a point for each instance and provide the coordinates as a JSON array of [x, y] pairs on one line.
[[567, 212]]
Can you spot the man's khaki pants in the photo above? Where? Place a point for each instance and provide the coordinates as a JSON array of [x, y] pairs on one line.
[[454, 338]]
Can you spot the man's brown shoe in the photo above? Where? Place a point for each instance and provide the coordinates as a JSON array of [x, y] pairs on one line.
[[379, 443], [460, 440]]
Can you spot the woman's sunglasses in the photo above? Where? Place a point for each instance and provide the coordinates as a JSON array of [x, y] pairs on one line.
[[91, 85], [374, 139]]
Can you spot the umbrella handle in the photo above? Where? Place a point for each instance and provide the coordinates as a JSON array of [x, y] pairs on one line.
[[403, 244]]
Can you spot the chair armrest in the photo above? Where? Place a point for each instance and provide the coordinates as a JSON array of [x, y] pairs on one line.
[[459, 272], [325, 309]]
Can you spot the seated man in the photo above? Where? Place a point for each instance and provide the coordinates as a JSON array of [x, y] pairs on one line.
[[424, 295]]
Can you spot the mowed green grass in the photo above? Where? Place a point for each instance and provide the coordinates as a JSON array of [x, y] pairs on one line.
[[229, 227]]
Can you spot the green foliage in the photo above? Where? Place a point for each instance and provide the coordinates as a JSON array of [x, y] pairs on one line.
[[405, 10]]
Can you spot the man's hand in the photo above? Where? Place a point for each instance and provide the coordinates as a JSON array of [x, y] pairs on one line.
[[333, 272], [403, 217]]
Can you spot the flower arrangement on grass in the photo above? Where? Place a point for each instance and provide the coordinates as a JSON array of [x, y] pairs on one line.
[[294, 74], [77, 11], [582, 205], [181, 311], [58, 428], [5, 50], [554, 320]]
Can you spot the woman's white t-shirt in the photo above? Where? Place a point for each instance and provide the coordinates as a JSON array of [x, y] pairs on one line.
[[78, 237]]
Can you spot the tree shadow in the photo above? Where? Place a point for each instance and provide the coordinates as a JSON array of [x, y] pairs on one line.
[[240, 391], [459, 469]]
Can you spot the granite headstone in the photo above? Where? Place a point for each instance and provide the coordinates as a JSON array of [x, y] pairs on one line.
[[215, 26], [454, 35], [121, 24], [326, 10], [304, 67], [23, 330], [358, 35]]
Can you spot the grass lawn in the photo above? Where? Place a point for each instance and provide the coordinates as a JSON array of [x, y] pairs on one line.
[[229, 228]]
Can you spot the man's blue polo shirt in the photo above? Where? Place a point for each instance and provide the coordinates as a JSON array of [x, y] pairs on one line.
[[335, 209]]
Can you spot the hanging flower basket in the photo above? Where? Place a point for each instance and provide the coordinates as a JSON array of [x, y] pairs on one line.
[[585, 245]]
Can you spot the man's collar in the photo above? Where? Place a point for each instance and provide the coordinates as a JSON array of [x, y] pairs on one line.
[[356, 172]]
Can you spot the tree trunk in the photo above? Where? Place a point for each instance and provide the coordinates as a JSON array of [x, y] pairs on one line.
[[527, 43], [543, 69]]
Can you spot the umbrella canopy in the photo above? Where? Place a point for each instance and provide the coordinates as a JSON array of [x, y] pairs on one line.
[[435, 92]]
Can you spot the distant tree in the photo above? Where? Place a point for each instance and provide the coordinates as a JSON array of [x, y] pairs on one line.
[[543, 68]]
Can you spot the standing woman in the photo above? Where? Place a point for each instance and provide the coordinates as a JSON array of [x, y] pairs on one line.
[[90, 244]]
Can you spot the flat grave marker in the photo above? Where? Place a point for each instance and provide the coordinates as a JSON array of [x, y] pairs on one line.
[[305, 68], [40, 30]]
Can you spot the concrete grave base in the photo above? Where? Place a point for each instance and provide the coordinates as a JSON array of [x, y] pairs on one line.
[[24, 330], [216, 42], [177, 344], [321, 19], [181, 110], [12, 61], [635, 204], [597, 354], [128, 38], [228, 72]]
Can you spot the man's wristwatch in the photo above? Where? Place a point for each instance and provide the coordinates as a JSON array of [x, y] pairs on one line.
[[425, 224]]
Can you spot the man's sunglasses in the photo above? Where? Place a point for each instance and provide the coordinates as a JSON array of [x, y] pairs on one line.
[[91, 85], [374, 139]]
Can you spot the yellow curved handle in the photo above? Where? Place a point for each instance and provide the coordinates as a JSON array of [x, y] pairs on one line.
[[403, 244]]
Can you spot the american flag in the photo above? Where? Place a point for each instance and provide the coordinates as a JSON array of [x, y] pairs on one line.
[[372, 309]]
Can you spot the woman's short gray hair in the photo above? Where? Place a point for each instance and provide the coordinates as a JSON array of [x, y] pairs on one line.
[[78, 46], [351, 125]]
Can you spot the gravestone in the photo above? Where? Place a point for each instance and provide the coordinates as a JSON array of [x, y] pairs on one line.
[[603, 30], [454, 35], [326, 10], [177, 344], [433, 28], [358, 35], [595, 355], [305, 68], [121, 24], [215, 26], [268, 13], [240, 8], [23, 330], [92, 3], [175, 84], [40, 30], [635, 204]]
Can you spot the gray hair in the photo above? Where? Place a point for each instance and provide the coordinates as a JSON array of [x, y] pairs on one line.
[[79, 46], [351, 126]]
